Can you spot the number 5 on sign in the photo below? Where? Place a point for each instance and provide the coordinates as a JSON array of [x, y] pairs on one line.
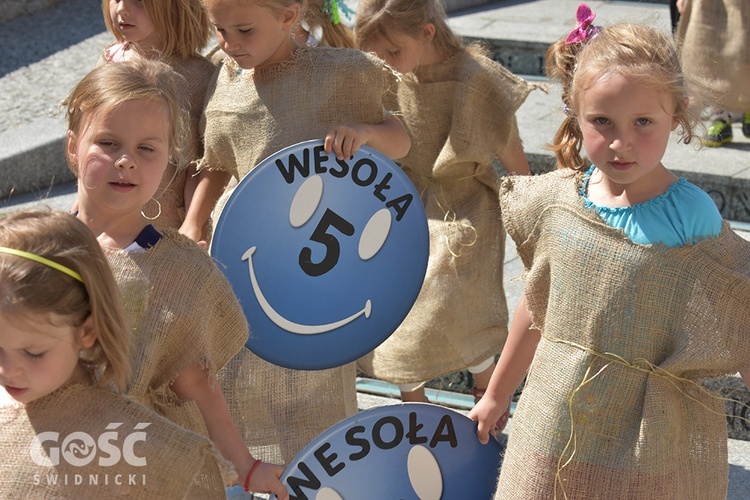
[[326, 256]]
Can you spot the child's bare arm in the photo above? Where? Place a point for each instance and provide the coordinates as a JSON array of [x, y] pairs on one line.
[[511, 368], [745, 374], [388, 137], [207, 187], [513, 157], [194, 384]]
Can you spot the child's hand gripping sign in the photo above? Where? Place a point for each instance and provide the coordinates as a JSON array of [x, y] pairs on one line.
[[413, 451], [326, 256]]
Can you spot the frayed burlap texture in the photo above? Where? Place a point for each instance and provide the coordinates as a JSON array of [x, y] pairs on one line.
[[613, 406], [713, 38], [251, 115], [177, 461], [183, 312], [196, 74], [459, 114], [279, 411]]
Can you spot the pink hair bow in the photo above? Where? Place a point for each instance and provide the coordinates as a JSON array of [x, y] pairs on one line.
[[584, 31]]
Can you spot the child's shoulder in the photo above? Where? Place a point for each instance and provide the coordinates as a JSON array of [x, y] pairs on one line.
[[195, 66], [486, 88], [474, 63], [548, 182], [173, 242], [343, 58], [115, 52], [177, 259], [524, 192], [525, 198]]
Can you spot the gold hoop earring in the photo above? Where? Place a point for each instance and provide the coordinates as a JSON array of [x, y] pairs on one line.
[[157, 214]]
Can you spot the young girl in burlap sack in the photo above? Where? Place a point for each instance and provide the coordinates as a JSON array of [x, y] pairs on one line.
[[125, 124], [271, 93], [318, 23], [635, 291], [459, 108], [63, 366], [174, 32]]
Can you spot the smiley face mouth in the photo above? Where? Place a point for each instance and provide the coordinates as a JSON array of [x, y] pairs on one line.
[[291, 326]]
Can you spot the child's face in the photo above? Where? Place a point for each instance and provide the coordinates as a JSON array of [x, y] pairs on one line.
[[402, 52], [254, 36], [121, 156], [131, 18], [626, 127], [39, 354]]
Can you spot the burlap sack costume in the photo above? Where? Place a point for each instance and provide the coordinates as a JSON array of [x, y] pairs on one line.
[[249, 116], [278, 410], [713, 38], [612, 406], [253, 114], [183, 313], [196, 72], [175, 459], [459, 114]]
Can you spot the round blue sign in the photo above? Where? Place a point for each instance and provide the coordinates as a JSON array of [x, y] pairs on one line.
[[326, 256], [416, 451]]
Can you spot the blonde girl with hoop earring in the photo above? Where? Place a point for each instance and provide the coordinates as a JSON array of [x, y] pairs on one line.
[[125, 124], [64, 368], [175, 32], [635, 290]]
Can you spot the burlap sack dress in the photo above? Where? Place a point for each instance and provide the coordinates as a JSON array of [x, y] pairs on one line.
[[249, 116], [183, 312], [459, 113], [196, 72], [613, 406], [175, 459], [713, 38]]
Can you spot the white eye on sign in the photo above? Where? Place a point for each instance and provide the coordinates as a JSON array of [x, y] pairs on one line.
[[326, 256], [414, 451]]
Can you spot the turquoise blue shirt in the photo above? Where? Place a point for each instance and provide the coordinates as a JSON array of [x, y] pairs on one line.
[[683, 215]]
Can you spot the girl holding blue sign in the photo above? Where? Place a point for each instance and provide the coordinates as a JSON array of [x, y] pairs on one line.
[[459, 107], [125, 124], [636, 290], [64, 366], [273, 92]]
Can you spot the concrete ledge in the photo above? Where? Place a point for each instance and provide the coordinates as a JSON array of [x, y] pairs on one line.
[[737, 404], [520, 57], [33, 158]]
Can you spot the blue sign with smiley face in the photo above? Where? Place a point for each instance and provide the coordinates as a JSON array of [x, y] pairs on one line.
[[411, 451], [326, 256]]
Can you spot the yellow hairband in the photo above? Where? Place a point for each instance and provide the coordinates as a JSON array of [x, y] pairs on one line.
[[42, 260]]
